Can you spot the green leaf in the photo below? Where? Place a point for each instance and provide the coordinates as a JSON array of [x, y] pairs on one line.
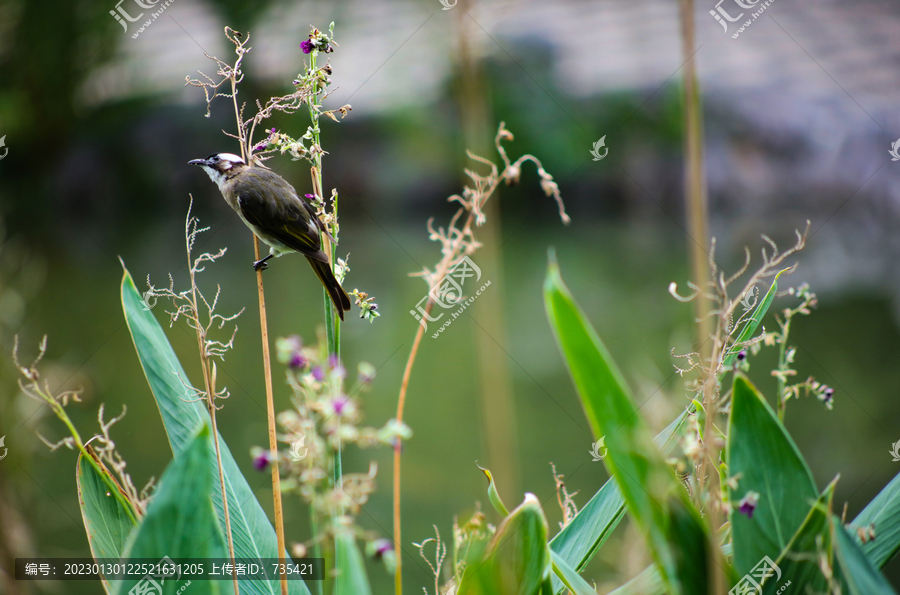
[[493, 494], [764, 459], [689, 542], [351, 578], [516, 560], [569, 576], [182, 414], [857, 570], [586, 533], [648, 582], [180, 520], [578, 541], [799, 560], [884, 513], [107, 521], [751, 323], [655, 498]]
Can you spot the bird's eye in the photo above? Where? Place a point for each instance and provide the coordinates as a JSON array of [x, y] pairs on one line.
[[216, 158]]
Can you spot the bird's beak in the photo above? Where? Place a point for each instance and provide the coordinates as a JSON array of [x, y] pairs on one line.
[[197, 162]]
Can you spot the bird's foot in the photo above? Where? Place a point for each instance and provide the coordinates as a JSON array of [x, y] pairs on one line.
[[261, 265]]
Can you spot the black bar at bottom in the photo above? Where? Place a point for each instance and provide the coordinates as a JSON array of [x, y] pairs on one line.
[[175, 569]]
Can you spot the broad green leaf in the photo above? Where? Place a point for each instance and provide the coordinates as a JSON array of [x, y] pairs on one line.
[[182, 415], [516, 561], [351, 576], [107, 521], [180, 520], [586, 533], [857, 570], [763, 459], [751, 323], [884, 512], [799, 560], [569, 576], [655, 498]]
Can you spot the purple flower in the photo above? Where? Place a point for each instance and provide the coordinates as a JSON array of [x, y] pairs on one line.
[[307, 46], [297, 360], [380, 548], [742, 355], [748, 503], [828, 394], [339, 404], [318, 373], [260, 147], [310, 196], [261, 461]]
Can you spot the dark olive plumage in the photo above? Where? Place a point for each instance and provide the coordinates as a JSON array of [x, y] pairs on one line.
[[279, 216]]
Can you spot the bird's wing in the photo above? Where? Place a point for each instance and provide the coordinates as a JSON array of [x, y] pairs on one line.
[[271, 205]]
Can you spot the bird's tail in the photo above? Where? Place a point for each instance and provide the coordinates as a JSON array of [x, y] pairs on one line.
[[338, 296]]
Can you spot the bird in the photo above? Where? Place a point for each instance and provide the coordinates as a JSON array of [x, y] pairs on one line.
[[277, 214]]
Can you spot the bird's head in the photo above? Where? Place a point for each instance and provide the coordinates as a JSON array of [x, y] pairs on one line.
[[220, 166]]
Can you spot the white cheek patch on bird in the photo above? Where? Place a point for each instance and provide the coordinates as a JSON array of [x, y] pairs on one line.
[[229, 159]]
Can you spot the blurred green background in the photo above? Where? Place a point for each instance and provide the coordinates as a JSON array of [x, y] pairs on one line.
[[99, 128]]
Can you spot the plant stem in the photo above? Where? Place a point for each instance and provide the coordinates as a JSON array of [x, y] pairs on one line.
[[332, 321], [270, 409], [439, 274], [210, 384], [696, 196], [782, 366], [496, 392], [695, 185], [131, 508], [401, 402], [317, 546], [267, 367], [211, 406]]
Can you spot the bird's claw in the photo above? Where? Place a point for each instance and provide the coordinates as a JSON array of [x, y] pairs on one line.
[[260, 265]]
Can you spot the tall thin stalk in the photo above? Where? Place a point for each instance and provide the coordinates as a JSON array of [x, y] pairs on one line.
[[267, 369], [457, 243], [694, 181], [270, 415], [332, 320], [697, 206], [209, 380], [496, 392]]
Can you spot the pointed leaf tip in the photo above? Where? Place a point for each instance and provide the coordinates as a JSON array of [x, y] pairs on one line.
[[493, 494]]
